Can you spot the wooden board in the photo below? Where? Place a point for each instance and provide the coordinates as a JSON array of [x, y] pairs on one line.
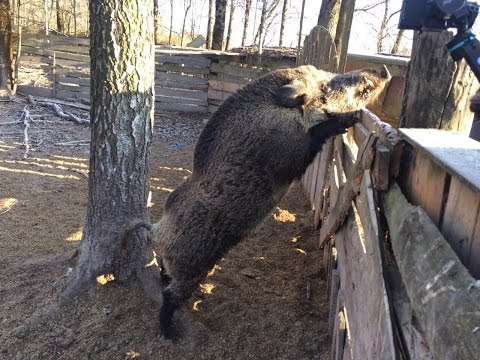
[[182, 93], [425, 183], [191, 60], [180, 107], [438, 285], [223, 86], [461, 224], [456, 153]]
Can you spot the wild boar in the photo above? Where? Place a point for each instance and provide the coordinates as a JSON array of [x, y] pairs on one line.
[[255, 145]]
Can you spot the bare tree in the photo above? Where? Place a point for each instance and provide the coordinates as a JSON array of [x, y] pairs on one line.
[[383, 26], [269, 12], [5, 44], [219, 27], [282, 22], [121, 132], [211, 20], [261, 27], [248, 6], [398, 40], [230, 24], [171, 23], [342, 36], [60, 19], [156, 21], [302, 14], [187, 5], [47, 16]]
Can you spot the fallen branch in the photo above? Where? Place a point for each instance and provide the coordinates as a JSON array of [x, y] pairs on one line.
[[65, 115], [26, 125], [349, 190]]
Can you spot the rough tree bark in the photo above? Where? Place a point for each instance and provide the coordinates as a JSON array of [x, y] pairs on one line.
[[219, 26], [248, 6], [286, 5], [328, 16], [60, 22], [230, 22], [342, 36], [211, 20], [122, 79], [5, 44]]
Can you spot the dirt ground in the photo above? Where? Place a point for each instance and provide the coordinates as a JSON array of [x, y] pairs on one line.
[[264, 301]]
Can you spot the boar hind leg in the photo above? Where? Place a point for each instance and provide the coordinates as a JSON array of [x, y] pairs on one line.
[[174, 296]]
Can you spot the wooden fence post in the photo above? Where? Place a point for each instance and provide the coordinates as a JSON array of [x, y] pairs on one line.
[[437, 90]]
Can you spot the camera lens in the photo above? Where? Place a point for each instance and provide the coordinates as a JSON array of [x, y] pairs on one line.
[[447, 8]]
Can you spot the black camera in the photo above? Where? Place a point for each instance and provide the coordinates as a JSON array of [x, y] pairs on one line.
[[441, 15], [437, 14]]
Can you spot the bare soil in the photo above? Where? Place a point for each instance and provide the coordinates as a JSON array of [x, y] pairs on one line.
[[265, 299]]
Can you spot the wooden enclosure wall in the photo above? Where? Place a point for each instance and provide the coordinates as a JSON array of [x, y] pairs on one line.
[[186, 79]]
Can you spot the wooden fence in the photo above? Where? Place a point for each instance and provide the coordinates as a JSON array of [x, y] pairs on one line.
[[399, 221], [185, 79]]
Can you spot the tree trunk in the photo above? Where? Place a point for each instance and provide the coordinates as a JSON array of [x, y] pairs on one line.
[[398, 41], [171, 23], [188, 4], [248, 6], [261, 28], [60, 23], [282, 22], [437, 90], [211, 19], [383, 27], [157, 19], [230, 22], [5, 45], [328, 16], [342, 36], [302, 14], [121, 128], [219, 27], [47, 16]]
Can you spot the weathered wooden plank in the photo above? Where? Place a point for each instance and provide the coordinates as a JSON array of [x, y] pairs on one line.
[[322, 177], [181, 68], [425, 184], [224, 86], [179, 100], [454, 152], [34, 60], [70, 80], [180, 107], [73, 88], [191, 60], [237, 70], [186, 85], [380, 171], [388, 136], [41, 40], [181, 93], [184, 79], [460, 221], [73, 95], [316, 176], [58, 54], [218, 95], [438, 285], [35, 91], [382, 339], [348, 192], [360, 132]]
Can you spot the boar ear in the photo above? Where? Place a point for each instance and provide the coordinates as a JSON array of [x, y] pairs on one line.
[[293, 94]]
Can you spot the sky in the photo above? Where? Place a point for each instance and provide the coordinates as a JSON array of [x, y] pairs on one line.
[[362, 40]]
